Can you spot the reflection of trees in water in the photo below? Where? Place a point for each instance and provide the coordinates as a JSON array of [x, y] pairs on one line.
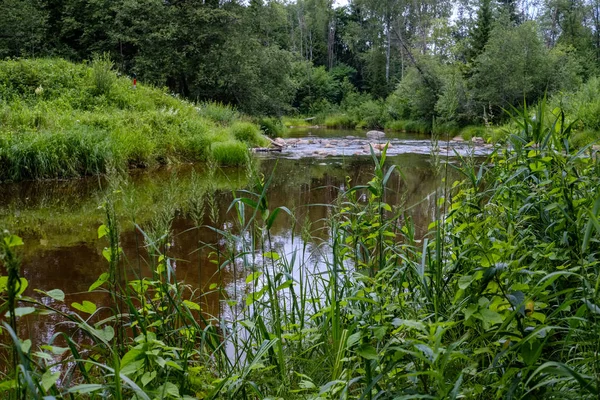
[[68, 210]]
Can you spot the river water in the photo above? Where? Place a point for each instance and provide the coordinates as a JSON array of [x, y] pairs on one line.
[[58, 220]]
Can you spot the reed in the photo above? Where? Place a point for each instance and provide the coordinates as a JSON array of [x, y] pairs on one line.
[[499, 299]]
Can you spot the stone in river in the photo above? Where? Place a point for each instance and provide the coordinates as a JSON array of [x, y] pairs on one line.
[[477, 140], [458, 139], [375, 134]]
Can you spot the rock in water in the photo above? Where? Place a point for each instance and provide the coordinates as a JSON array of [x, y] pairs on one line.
[[375, 134]]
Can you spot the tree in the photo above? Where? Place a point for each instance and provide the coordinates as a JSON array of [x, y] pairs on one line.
[[515, 67], [23, 26]]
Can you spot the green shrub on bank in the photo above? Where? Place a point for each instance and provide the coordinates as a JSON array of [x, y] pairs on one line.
[[472, 131], [342, 121], [296, 122], [218, 112], [447, 128], [248, 133], [61, 120], [584, 138], [272, 127], [229, 153]]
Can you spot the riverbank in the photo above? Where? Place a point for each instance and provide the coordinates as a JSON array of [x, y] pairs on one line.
[[63, 120], [500, 293]]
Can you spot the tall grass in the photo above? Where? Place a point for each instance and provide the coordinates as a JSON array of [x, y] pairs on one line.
[[499, 300], [63, 120]]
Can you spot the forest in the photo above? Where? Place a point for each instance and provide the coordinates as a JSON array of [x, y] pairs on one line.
[[146, 253], [457, 63]]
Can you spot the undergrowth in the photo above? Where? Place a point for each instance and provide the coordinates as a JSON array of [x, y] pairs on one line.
[[499, 300], [64, 120]]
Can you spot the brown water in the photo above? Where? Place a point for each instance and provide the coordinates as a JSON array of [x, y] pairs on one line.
[[58, 221]]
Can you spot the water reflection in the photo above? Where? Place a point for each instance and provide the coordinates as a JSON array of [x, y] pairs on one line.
[[58, 221]]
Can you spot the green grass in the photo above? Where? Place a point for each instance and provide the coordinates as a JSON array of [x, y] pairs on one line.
[[229, 153], [340, 121], [472, 131], [296, 122], [272, 127], [248, 133], [63, 120], [499, 299]]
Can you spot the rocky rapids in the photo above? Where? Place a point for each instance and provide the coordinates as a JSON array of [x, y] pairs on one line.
[[361, 145]]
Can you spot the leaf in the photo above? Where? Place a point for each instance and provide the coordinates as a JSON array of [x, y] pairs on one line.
[[22, 311], [7, 385], [284, 285], [367, 351], [168, 388], [55, 294], [106, 253], [148, 377], [85, 388], [54, 349], [26, 346], [13, 241], [272, 255], [352, 340], [4, 284], [191, 305], [591, 306], [490, 317], [49, 379], [131, 356], [87, 307], [105, 334], [102, 279], [102, 231], [465, 281], [253, 276]]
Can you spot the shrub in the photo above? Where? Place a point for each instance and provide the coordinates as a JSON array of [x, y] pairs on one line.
[[340, 121], [417, 126], [218, 112], [585, 137], [371, 114], [229, 153], [249, 133], [295, 122], [102, 74], [271, 127], [450, 128], [472, 131]]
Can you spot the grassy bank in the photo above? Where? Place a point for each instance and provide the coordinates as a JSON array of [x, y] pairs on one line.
[[499, 300], [63, 120]]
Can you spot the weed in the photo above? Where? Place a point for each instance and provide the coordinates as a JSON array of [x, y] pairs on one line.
[[229, 153]]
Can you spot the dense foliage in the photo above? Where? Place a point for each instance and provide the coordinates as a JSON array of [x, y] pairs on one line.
[[458, 61], [499, 300], [62, 120]]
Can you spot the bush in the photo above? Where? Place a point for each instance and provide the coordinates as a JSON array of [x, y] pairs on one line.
[[249, 133], [371, 114], [585, 137], [218, 112], [271, 127], [472, 131], [70, 125], [102, 74], [450, 128], [340, 121], [229, 153]]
